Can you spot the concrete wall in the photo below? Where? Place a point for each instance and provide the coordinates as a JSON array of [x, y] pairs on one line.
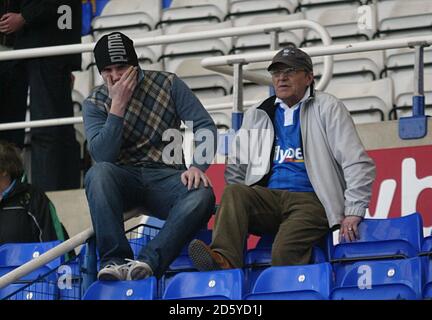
[[384, 135], [73, 211]]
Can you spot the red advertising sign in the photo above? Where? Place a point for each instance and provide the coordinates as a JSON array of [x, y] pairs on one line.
[[403, 183]]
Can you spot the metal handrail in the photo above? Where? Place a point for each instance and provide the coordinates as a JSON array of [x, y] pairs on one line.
[[220, 64], [271, 28]]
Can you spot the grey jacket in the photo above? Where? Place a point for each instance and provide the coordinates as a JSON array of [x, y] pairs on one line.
[[337, 164]]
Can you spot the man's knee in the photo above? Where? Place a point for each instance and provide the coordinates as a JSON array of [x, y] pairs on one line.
[[238, 191], [205, 197], [99, 173], [291, 252]]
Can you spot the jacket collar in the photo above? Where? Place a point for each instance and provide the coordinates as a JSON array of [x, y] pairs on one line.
[[15, 188]]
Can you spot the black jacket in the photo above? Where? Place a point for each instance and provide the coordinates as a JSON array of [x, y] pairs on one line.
[[42, 29], [25, 216]]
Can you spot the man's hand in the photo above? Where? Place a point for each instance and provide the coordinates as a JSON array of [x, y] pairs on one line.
[[349, 228], [121, 91], [11, 22], [193, 176]]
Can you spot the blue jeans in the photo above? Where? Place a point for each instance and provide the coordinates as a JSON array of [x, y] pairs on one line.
[[112, 190]]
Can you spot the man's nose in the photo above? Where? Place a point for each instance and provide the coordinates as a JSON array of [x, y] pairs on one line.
[[283, 76], [116, 75]]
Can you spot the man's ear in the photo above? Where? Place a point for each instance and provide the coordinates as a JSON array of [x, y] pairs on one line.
[[310, 78]]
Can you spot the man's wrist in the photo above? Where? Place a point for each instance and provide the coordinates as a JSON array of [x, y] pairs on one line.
[[117, 109]]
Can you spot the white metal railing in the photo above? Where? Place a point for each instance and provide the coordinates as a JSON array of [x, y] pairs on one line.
[[271, 28], [173, 38], [221, 64], [41, 123]]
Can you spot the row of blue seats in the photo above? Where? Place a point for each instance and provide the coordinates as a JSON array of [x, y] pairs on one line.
[[373, 276], [382, 238], [407, 279]]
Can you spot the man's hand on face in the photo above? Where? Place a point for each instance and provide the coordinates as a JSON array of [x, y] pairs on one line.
[[121, 91], [11, 22], [194, 176]]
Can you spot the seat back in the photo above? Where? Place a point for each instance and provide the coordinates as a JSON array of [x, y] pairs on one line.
[[257, 7], [210, 285], [381, 238], [182, 262], [138, 243], [16, 254], [183, 13], [427, 245], [341, 23], [307, 282], [204, 83], [36, 291], [258, 42], [404, 16], [259, 258], [350, 66], [427, 269], [119, 13], [365, 97], [122, 290], [379, 280], [261, 254]]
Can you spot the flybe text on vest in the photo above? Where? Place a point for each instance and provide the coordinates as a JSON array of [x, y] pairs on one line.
[[288, 155]]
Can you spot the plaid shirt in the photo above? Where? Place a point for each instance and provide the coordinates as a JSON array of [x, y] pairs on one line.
[[151, 111]]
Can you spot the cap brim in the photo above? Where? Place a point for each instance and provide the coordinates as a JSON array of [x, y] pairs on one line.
[[271, 66]]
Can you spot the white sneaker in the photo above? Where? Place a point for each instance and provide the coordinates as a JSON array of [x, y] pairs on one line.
[[138, 270], [113, 272]]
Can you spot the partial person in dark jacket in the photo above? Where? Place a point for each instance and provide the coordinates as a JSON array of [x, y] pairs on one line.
[[10, 79], [41, 23], [26, 213]]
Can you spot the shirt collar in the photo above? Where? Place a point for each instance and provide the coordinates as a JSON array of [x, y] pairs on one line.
[[140, 75], [294, 107], [8, 189]]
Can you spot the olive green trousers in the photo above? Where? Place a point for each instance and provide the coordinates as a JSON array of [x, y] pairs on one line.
[[297, 219]]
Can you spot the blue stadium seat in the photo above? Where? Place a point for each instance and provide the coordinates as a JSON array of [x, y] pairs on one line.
[[166, 3], [259, 258], [138, 243], [306, 282], [379, 280], [210, 285], [100, 4], [427, 245], [122, 290], [36, 291], [380, 239], [261, 254], [427, 268], [13, 255], [6, 291], [86, 17], [182, 262]]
